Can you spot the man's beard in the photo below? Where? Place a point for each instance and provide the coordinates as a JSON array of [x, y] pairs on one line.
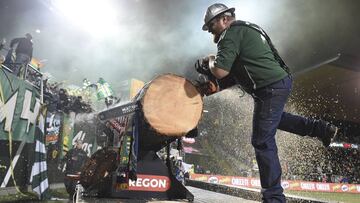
[[216, 38]]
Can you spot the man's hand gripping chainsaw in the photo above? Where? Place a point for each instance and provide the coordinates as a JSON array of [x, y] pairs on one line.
[[206, 82]]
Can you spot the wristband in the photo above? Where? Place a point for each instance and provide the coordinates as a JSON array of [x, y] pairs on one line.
[[211, 62]]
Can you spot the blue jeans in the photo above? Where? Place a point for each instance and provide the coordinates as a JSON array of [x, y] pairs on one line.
[[269, 116], [268, 109], [21, 61]]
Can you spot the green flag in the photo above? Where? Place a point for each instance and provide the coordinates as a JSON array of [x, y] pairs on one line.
[[103, 89]]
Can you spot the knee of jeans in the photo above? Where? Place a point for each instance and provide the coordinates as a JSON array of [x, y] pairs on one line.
[[264, 144], [257, 144]]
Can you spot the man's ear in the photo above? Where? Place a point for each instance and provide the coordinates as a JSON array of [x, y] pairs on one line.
[[227, 19]]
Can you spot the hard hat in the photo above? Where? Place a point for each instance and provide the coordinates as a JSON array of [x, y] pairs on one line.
[[213, 11]]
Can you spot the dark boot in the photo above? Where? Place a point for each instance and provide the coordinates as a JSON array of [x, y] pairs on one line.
[[329, 135]]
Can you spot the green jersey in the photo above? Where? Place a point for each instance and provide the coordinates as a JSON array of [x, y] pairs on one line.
[[246, 54]]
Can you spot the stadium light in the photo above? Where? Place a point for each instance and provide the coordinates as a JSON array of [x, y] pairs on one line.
[[97, 17]]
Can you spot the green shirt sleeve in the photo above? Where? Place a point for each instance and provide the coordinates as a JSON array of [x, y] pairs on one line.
[[227, 50]]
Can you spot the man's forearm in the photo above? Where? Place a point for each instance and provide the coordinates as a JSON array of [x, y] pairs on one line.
[[13, 42], [219, 73]]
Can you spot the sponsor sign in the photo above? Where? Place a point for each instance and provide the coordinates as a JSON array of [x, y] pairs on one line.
[[225, 180], [307, 185], [239, 181], [255, 183], [344, 145], [213, 179], [344, 188], [200, 177], [295, 185], [53, 124], [323, 187], [150, 183], [286, 184]]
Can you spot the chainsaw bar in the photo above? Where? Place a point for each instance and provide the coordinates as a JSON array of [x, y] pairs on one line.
[[119, 111]]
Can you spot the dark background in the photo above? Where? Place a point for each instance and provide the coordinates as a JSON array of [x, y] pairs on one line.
[[158, 36]]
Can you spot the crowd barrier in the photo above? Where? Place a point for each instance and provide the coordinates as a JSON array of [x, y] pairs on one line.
[[295, 185]]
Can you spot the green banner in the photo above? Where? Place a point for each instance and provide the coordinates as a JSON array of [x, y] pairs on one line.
[[19, 108], [85, 130]]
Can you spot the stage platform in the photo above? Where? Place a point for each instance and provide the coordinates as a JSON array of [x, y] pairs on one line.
[[200, 196]]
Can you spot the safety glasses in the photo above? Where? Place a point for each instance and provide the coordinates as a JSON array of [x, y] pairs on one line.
[[212, 23]]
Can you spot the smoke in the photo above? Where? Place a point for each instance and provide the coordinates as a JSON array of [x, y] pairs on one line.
[[151, 39], [158, 36], [85, 117]]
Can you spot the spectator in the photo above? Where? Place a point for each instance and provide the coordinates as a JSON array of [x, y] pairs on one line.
[[74, 160], [344, 179], [199, 169], [2, 44], [24, 51]]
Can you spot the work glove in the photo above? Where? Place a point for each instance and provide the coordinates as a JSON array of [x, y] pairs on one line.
[[208, 88], [203, 65], [206, 85], [206, 82]]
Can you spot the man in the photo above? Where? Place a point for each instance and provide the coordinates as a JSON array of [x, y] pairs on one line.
[[74, 160], [2, 44], [247, 57], [24, 51]]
